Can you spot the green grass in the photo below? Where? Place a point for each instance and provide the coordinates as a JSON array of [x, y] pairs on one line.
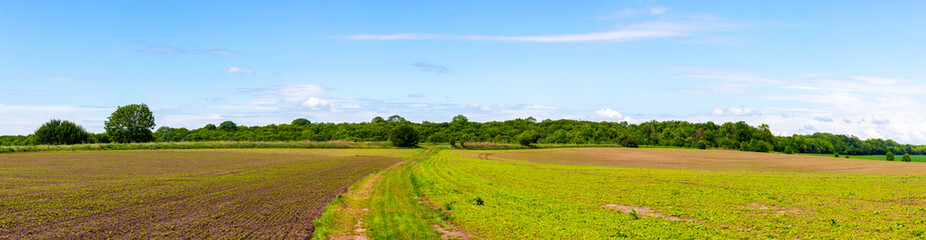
[[396, 209], [545, 201]]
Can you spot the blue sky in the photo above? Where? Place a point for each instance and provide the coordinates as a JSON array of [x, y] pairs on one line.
[[844, 67]]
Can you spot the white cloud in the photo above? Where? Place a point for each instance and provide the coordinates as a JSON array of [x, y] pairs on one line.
[[289, 93], [239, 70], [879, 107], [315, 103], [735, 112], [539, 107], [480, 107], [608, 113]]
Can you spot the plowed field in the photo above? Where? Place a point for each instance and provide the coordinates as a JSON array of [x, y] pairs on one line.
[[256, 194], [728, 160]]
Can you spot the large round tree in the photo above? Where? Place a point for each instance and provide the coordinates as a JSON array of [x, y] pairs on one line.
[[130, 123], [61, 132], [404, 136]]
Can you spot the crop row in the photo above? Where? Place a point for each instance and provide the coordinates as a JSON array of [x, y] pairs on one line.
[[165, 194]]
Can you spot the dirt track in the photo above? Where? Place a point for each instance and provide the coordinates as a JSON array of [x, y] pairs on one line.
[[701, 159]]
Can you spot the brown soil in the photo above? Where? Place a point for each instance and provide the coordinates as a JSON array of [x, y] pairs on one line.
[[770, 209], [647, 212], [451, 232], [700, 159], [171, 194]]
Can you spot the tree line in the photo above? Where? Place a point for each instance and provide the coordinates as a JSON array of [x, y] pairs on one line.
[[527, 131]]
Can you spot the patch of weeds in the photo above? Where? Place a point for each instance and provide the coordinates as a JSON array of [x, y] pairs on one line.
[[634, 214], [478, 201]]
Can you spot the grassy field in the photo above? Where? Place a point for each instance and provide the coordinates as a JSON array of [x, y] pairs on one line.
[[673, 194], [250, 193], [700, 159], [914, 158]]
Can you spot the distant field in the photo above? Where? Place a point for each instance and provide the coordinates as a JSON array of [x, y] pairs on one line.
[[915, 158], [253, 193], [703, 194], [703, 160]]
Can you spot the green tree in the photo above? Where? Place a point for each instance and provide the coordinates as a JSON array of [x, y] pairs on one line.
[[301, 122], [404, 136], [889, 156], [209, 126], [396, 119], [228, 126], [906, 158], [459, 120], [57, 131], [378, 119], [527, 138], [130, 123], [628, 140]]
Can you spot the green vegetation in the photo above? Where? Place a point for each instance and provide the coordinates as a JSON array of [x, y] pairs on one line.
[[736, 136], [62, 132], [889, 156], [905, 158], [253, 193], [404, 136], [130, 124], [301, 122], [544, 201], [396, 211], [228, 126]]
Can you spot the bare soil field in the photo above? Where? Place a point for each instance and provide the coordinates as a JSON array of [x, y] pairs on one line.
[[250, 193], [701, 159]]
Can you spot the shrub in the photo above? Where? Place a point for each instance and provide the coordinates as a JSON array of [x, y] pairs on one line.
[[906, 158], [57, 131], [628, 140], [889, 156], [702, 144], [404, 136], [478, 201], [209, 126], [836, 155]]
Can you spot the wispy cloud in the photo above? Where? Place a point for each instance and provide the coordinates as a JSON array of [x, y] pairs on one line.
[[686, 26], [168, 50], [885, 107], [238, 70], [630, 12], [430, 67], [59, 79]]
